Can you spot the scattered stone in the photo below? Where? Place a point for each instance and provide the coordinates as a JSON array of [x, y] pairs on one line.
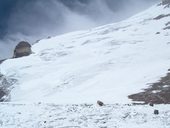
[[151, 104], [156, 112], [100, 103], [45, 122], [22, 49]]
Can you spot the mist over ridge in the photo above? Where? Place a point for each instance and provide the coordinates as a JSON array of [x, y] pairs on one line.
[[35, 19]]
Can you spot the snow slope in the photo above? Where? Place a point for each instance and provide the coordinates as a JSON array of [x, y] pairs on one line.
[[107, 63]]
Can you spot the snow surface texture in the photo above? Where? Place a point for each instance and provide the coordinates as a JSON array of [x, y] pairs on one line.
[[82, 116], [106, 63]]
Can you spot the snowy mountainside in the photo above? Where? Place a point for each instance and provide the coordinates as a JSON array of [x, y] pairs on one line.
[[107, 63]]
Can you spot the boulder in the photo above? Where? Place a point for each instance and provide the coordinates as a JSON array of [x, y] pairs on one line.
[[22, 49], [156, 112], [151, 104], [100, 103]]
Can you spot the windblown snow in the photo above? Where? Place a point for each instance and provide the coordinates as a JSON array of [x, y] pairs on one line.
[[107, 63]]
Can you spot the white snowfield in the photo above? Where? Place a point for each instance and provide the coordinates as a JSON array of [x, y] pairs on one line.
[[106, 63]]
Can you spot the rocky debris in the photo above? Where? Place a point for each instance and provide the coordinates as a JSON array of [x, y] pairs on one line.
[[5, 87], [2, 94], [100, 103], [82, 116], [158, 93], [22, 49], [161, 16]]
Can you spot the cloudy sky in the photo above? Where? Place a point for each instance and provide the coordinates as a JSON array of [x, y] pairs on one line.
[[35, 19]]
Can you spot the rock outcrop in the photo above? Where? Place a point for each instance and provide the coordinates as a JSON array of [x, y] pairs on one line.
[[6, 87], [22, 49], [164, 2], [2, 61], [157, 93]]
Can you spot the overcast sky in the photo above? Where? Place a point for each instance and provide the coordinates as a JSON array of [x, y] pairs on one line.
[[35, 19]]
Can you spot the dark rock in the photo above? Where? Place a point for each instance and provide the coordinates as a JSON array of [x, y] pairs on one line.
[[158, 33], [100, 103], [5, 87], [164, 2], [3, 90], [2, 94], [168, 23], [157, 93], [151, 104], [156, 112], [161, 16], [166, 28], [22, 49], [1, 61]]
